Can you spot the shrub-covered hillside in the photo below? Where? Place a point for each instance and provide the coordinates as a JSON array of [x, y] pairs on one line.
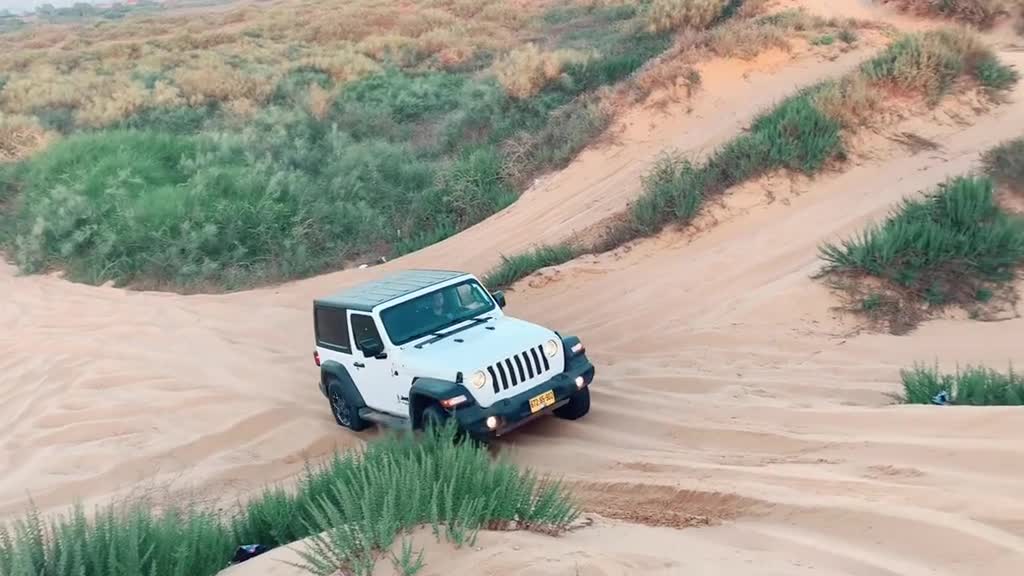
[[222, 147]]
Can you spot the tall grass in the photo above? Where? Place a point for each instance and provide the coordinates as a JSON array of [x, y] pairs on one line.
[[974, 386], [514, 268], [941, 248], [351, 508]]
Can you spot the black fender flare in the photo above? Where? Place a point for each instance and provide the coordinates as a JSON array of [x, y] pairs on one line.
[[335, 370], [427, 391]]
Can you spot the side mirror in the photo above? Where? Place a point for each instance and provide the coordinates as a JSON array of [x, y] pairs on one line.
[[499, 297], [372, 348]]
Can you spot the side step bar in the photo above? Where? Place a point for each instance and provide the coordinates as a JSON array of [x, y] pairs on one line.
[[385, 419]]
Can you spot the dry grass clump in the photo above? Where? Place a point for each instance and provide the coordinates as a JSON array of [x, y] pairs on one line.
[[851, 101], [667, 15], [342, 66], [215, 80], [20, 137], [977, 12], [526, 71]]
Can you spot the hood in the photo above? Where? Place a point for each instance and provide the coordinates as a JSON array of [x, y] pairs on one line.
[[493, 347]]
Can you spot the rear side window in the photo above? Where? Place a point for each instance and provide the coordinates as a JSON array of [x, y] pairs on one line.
[[364, 329], [332, 329]]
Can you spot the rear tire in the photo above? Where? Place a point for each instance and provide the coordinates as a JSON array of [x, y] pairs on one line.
[[346, 412], [577, 407]]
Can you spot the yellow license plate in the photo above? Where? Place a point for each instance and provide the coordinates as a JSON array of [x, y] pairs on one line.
[[543, 401]]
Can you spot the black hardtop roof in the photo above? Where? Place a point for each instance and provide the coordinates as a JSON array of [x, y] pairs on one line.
[[366, 296]]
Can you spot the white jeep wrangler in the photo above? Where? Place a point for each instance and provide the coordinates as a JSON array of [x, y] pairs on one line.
[[422, 346]]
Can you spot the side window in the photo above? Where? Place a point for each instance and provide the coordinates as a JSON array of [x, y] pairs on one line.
[[332, 329], [363, 329]]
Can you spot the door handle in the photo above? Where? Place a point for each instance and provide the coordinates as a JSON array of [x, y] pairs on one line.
[[359, 365]]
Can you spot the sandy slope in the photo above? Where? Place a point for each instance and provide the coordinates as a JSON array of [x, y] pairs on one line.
[[728, 389]]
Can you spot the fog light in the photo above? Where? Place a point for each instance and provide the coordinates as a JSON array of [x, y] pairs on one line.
[[579, 381], [492, 422]]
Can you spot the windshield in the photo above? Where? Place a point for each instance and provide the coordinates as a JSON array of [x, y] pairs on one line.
[[434, 311]]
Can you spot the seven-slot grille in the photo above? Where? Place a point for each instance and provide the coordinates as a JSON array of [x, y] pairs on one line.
[[519, 368]]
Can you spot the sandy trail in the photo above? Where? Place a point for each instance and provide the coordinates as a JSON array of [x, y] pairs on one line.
[[728, 389]]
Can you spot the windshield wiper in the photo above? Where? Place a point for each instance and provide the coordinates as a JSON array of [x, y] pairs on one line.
[[438, 337]]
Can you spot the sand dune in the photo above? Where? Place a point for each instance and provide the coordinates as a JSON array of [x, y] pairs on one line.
[[731, 396]]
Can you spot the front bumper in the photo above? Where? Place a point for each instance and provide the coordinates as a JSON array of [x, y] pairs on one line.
[[515, 411]]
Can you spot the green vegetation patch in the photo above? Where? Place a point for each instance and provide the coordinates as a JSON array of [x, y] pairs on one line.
[[351, 508], [955, 246], [514, 268], [973, 386], [1005, 164], [796, 135]]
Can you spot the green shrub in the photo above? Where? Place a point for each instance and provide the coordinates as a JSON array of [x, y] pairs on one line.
[[117, 541], [406, 97], [179, 120], [353, 506], [514, 268], [947, 243], [795, 135], [993, 74], [928, 62], [973, 386], [824, 40], [1005, 164]]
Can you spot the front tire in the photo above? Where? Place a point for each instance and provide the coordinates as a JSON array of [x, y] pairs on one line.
[[345, 412], [577, 407], [435, 417]]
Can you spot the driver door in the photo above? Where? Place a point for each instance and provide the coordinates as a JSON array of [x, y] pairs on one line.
[[374, 375]]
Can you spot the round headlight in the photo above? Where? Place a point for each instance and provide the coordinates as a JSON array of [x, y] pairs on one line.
[[478, 379], [551, 348]]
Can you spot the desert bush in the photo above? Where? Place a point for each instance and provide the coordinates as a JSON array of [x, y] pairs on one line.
[[668, 15], [974, 386], [526, 71], [1005, 163], [352, 507], [979, 12], [514, 268], [941, 248], [993, 74], [930, 62], [851, 100]]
